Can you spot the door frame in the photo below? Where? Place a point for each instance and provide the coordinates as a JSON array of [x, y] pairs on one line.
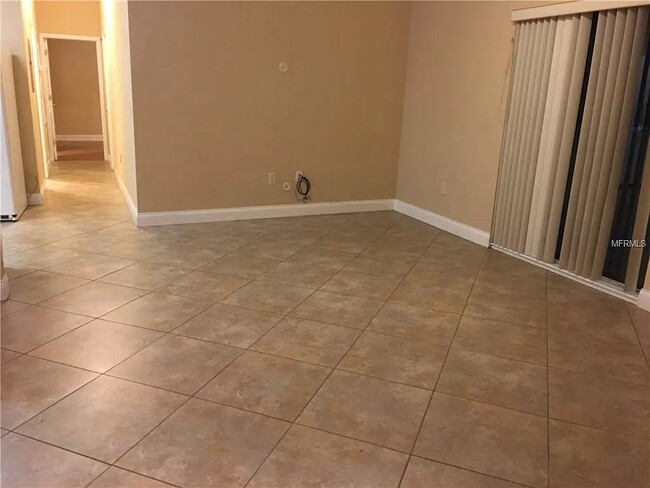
[[50, 132]]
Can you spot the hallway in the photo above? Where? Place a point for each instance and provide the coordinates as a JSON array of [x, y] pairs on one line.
[[80, 151], [342, 350]]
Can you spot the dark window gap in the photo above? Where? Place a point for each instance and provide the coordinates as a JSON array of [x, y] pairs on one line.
[[576, 134], [629, 187]]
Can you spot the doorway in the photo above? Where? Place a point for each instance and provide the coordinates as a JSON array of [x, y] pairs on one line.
[[73, 98]]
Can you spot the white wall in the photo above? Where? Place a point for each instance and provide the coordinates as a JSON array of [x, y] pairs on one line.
[[119, 97]]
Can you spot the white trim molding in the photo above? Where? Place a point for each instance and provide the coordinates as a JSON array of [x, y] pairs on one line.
[[38, 197], [4, 288], [145, 219], [133, 209], [644, 300], [572, 8], [459, 229], [35, 199], [79, 137]]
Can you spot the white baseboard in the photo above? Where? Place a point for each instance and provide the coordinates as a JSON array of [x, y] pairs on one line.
[[79, 137], [459, 229], [4, 288], [133, 210], [644, 299], [262, 212], [38, 198], [464, 231]]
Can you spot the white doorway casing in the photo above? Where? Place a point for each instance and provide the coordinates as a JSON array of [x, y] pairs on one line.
[[49, 131]]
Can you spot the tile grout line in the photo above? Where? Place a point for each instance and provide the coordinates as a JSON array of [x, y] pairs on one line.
[[181, 324], [297, 417], [276, 324], [91, 371], [362, 331], [207, 382], [643, 352], [440, 372]]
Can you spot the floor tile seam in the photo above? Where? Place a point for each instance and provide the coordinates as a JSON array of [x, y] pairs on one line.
[[226, 254], [66, 449], [398, 336], [81, 255], [322, 321], [146, 292], [357, 339], [16, 429], [91, 319], [78, 234], [284, 316], [578, 334], [49, 270], [382, 378], [552, 368], [498, 356], [51, 296], [317, 390], [188, 399], [504, 321], [112, 321], [261, 279], [368, 330], [18, 355], [352, 438], [460, 396], [289, 314], [645, 355], [132, 472], [464, 468], [99, 374], [601, 429], [224, 368], [442, 366], [209, 304], [601, 376], [279, 356], [51, 243], [31, 271], [361, 332], [361, 283], [192, 267]]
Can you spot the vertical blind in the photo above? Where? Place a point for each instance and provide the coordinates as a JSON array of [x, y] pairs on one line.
[[574, 84]]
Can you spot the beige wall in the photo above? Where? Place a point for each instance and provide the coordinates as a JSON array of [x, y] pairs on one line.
[[13, 34], [75, 87], [454, 107], [80, 18], [214, 115]]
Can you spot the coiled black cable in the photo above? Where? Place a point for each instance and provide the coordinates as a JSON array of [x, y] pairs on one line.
[[303, 187]]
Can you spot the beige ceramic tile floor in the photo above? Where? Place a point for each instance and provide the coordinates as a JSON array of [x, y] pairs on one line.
[[364, 350]]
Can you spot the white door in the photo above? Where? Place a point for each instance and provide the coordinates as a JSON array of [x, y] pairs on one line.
[[50, 127], [13, 199], [102, 100]]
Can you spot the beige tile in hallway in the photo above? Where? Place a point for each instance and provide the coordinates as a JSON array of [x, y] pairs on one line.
[[343, 350]]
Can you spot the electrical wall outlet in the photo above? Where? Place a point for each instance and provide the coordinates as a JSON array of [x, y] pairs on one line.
[[273, 178], [443, 189]]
